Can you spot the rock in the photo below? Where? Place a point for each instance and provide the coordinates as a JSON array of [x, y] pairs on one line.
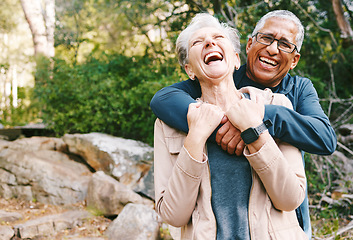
[[4, 143], [126, 160], [74, 237], [44, 175], [345, 135], [39, 143], [9, 216], [135, 222], [49, 225], [6, 232], [108, 196], [346, 129], [146, 185]]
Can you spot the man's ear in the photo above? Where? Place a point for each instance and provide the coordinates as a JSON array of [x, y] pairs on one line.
[[248, 45], [189, 72], [295, 61]]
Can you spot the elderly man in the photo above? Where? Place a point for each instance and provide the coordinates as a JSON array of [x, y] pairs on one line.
[[272, 50]]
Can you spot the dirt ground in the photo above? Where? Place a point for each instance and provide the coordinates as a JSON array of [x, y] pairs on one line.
[[93, 227]]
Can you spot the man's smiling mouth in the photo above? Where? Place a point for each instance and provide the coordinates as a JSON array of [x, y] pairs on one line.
[[268, 61], [213, 56]]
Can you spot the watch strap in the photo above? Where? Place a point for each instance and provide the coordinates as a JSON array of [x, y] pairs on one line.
[[251, 134], [263, 126]]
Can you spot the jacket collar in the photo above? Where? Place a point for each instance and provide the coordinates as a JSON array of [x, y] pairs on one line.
[[241, 80]]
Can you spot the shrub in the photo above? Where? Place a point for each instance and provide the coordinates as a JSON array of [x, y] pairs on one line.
[[110, 95]]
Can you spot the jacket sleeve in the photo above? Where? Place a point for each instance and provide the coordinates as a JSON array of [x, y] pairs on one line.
[[170, 104], [281, 171], [307, 128], [177, 179], [280, 168]]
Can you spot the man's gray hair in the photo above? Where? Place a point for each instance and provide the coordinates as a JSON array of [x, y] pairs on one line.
[[284, 14], [202, 20]]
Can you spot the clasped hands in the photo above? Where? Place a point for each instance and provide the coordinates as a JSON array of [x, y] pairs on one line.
[[242, 114]]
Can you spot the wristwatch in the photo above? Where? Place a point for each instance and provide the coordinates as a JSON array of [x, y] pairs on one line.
[[252, 134]]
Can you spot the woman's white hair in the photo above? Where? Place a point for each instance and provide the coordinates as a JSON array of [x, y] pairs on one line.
[[202, 20], [283, 14]]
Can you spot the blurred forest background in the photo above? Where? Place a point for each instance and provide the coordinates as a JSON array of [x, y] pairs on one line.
[[93, 66]]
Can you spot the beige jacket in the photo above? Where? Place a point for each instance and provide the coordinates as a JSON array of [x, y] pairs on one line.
[[183, 189]]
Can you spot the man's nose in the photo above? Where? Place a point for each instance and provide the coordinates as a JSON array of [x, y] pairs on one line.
[[273, 47]]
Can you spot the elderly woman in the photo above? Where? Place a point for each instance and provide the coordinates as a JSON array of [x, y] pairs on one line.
[[202, 190]]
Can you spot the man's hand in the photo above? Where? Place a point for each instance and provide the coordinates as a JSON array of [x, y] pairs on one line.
[[229, 138]]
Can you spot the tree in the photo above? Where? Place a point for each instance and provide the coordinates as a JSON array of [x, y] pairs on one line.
[[343, 23], [41, 20]]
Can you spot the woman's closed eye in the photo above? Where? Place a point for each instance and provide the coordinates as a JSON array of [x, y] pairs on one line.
[[219, 37], [195, 42]]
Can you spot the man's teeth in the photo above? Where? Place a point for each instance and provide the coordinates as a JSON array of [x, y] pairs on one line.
[[268, 61], [213, 56]]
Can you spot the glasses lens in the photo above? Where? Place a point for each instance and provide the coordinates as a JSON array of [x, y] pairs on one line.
[[268, 40], [286, 46], [265, 39]]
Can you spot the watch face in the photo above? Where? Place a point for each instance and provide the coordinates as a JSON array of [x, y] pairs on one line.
[[249, 135]]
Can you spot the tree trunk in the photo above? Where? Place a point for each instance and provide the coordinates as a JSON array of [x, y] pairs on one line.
[[41, 24], [343, 23], [50, 24]]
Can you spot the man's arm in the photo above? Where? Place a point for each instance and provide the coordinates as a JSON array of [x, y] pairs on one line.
[[171, 103], [307, 128]]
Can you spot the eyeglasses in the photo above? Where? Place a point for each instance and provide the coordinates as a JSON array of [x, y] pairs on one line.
[[268, 40]]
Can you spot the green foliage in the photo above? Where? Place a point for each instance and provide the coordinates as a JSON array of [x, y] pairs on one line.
[[110, 94], [25, 112]]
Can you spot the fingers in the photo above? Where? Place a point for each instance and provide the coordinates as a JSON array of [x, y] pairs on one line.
[[194, 105], [224, 119], [228, 137], [240, 148], [221, 132]]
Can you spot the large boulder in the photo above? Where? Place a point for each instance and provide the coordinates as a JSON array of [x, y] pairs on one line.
[[107, 196], [126, 160], [135, 222], [40, 174]]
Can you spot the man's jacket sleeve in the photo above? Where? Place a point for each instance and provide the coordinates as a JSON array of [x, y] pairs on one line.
[[307, 128], [171, 103]]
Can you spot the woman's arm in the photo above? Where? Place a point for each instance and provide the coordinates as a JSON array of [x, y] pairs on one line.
[[281, 171], [178, 172], [177, 177], [280, 168]]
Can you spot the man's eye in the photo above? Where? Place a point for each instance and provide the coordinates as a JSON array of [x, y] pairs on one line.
[[267, 38], [284, 44]]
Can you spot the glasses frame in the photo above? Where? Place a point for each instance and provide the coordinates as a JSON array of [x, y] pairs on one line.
[[275, 39]]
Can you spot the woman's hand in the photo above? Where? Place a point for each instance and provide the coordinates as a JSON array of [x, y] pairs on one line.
[[203, 119], [247, 113]]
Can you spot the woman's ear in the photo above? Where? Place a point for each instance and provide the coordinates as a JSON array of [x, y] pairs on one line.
[[189, 72], [237, 61]]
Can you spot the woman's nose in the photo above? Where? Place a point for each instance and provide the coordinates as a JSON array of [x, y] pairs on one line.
[[210, 42]]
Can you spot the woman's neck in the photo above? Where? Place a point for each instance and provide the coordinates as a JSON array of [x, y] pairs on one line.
[[221, 94]]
